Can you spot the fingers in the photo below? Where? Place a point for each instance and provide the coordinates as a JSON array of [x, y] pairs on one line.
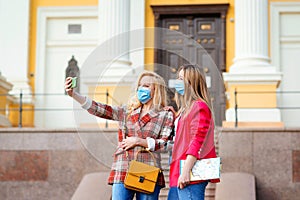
[[128, 143], [125, 145], [182, 182], [182, 185], [68, 84]]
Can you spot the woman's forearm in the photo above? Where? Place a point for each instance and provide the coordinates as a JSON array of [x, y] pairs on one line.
[[189, 163], [78, 97]]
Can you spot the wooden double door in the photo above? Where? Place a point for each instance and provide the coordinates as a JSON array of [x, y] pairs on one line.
[[193, 38]]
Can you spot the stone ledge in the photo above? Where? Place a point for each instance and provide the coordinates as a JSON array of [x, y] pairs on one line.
[[253, 124], [258, 129], [47, 130]]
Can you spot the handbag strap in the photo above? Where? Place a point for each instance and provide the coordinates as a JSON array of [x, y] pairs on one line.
[[152, 156]]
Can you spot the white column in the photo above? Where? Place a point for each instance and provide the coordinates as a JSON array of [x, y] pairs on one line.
[[251, 37], [112, 54], [251, 63], [14, 31], [114, 19], [137, 34]]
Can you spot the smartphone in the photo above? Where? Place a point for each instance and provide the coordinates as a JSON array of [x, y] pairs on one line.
[[74, 82]]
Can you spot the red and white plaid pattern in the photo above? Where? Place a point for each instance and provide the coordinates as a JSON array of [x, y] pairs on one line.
[[155, 124]]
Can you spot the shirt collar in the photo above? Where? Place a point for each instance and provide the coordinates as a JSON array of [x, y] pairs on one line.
[[136, 113]]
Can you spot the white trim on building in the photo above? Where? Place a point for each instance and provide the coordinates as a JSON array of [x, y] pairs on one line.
[[285, 51]]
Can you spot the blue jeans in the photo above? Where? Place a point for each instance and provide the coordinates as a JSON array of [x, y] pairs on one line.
[[190, 192], [119, 192]]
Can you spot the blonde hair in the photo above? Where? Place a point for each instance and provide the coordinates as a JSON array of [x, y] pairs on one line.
[[159, 96], [195, 88]]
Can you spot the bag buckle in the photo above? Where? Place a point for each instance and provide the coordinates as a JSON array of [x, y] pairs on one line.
[[141, 179]]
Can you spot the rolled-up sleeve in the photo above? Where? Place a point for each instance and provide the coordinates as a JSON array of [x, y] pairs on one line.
[[87, 104], [165, 131]]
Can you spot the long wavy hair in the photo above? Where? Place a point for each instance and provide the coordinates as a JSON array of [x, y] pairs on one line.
[[159, 96], [195, 88]]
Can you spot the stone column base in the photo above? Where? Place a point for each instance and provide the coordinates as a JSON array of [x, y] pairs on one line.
[[4, 122], [253, 118]]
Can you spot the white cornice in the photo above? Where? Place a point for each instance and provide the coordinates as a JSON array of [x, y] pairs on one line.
[[4, 84], [253, 78]]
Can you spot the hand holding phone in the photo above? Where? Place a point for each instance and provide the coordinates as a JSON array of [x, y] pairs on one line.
[[74, 82]]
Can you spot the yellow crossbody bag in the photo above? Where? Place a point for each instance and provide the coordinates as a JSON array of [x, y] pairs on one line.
[[140, 176]]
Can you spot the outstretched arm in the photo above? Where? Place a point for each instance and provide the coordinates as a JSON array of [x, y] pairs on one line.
[[95, 108], [75, 95]]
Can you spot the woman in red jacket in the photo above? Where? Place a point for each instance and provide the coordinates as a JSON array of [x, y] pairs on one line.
[[194, 137]]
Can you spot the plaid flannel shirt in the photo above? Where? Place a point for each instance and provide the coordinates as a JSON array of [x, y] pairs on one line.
[[155, 124]]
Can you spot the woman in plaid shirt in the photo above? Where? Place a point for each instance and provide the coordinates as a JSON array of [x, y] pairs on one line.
[[144, 123]]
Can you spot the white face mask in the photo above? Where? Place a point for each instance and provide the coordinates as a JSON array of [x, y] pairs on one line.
[[179, 86]]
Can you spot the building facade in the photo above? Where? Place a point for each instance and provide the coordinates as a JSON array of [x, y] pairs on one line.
[[247, 49]]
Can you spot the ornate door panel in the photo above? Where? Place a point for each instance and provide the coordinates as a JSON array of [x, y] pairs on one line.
[[174, 49]]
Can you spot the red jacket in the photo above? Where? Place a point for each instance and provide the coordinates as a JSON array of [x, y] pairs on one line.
[[191, 132]]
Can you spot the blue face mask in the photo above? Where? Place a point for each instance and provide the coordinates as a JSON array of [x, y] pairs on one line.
[[143, 94], [179, 86]]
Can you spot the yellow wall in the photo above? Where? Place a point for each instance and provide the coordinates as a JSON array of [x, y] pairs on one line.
[[149, 53], [3, 100], [260, 96], [27, 115]]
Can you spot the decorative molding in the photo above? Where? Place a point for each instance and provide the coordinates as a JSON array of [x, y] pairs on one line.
[[45, 13], [276, 8], [4, 84], [159, 10], [269, 78]]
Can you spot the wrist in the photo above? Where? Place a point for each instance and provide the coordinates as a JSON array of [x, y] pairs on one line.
[[74, 94], [137, 141]]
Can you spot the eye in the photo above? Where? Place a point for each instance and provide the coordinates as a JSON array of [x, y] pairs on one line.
[[145, 85]]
